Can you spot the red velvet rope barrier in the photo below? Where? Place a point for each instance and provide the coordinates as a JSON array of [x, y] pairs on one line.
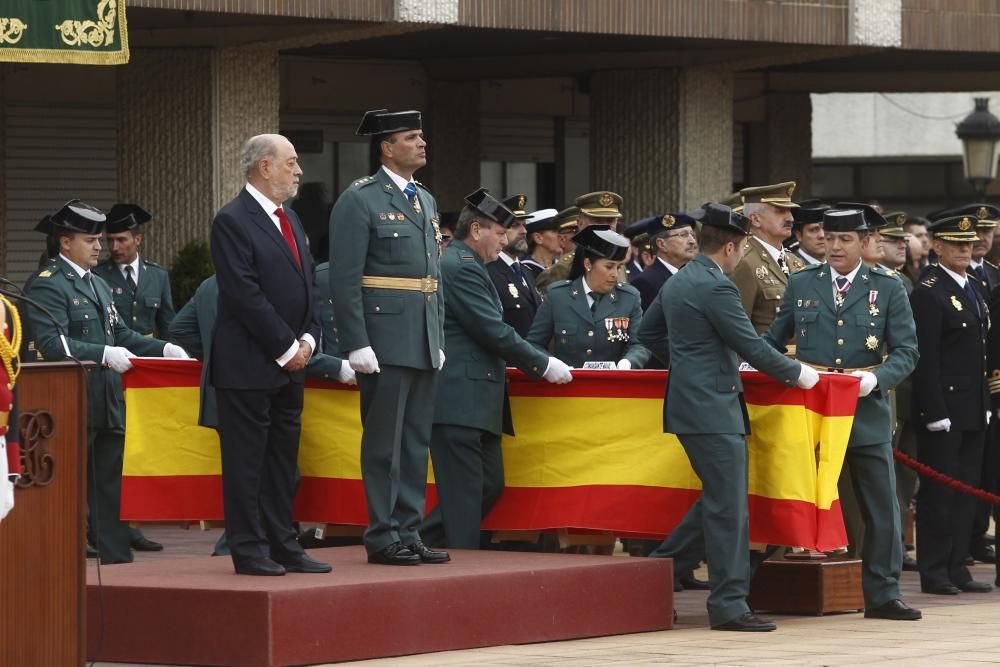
[[941, 478]]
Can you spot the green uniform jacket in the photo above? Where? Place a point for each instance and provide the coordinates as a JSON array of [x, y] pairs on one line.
[[89, 328], [856, 335], [579, 336], [709, 333], [761, 283], [374, 231], [472, 389], [152, 308], [328, 320]]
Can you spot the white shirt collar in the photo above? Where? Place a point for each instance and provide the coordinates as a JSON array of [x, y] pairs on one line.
[[670, 267], [850, 276], [961, 280], [135, 269], [809, 258], [265, 203], [973, 264], [76, 267], [771, 250], [400, 182], [509, 261]]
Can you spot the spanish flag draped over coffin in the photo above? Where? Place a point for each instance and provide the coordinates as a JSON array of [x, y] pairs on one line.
[[587, 455]]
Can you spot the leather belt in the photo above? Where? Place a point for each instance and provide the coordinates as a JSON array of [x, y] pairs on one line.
[[426, 285], [830, 369]]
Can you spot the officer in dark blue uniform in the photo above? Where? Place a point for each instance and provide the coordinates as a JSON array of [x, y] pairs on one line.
[[673, 240], [514, 284]]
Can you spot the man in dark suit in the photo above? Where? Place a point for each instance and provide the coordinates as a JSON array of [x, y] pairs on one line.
[[950, 404], [514, 284], [704, 407], [265, 333], [673, 239]]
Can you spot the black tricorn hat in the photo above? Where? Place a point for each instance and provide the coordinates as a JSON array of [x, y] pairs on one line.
[[126, 217], [810, 211], [74, 216], [601, 241], [722, 217], [847, 219], [873, 218], [382, 121], [482, 201]]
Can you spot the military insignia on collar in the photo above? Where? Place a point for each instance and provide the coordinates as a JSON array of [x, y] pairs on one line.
[[388, 187], [44, 274], [512, 288], [871, 343], [982, 213], [864, 277], [955, 302], [606, 200], [965, 224], [760, 272], [668, 221]]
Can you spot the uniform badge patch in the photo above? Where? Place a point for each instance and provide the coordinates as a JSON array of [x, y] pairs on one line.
[[512, 288], [955, 302], [760, 272], [871, 343]]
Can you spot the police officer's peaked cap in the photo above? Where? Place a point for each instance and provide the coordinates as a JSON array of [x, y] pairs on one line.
[[126, 217], [987, 215], [657, 224], [601, 241], [517, 204], [958, 229], [894, 225]]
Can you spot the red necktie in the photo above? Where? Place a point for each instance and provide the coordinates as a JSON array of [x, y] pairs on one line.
[[286, 231]]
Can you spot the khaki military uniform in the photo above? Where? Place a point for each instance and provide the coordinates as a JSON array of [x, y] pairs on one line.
[[762, 283]]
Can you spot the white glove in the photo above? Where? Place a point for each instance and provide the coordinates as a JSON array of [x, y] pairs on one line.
[[171, 351], [624, 365], [868, 382], [940, 425], [364, 360], [557, 372], [808, 377], [442, 358], [117, 358], [346, 374]]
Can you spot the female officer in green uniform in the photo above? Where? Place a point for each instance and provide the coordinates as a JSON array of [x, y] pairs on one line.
[[591, 316]]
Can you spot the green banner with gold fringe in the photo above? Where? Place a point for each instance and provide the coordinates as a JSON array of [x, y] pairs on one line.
[[83, 32]]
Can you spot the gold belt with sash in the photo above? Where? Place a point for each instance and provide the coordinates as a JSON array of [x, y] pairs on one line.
[[426, 285]]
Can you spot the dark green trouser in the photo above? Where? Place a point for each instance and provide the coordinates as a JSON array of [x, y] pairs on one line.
[[717, 524], [105, 449], [874, 481], [397, 408], [468, 473], [854, 523], [905, 440]]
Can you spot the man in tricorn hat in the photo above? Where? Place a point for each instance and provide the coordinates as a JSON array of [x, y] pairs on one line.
[[472, 409], [847, 317], [807, 230], [82, 303], [384, 273]]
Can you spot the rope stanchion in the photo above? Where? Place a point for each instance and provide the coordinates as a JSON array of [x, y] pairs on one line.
[[941, 478]]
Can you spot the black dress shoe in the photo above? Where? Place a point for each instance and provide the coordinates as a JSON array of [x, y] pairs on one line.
[[945, 588], [145, 544], [747, 623], [260, 567], [426, 554], [985, 553], [689, 583], [974, 587], [909, 564], [394, 554], [306, 565], [894, 610], [92, 551]]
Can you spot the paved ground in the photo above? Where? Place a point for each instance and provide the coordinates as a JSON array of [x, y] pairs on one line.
[[959, 630]]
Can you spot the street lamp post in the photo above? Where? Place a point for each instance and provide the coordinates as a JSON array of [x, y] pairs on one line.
[[980, 134]]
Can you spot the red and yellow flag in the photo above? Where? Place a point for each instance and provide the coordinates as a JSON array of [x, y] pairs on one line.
[[588, 455]]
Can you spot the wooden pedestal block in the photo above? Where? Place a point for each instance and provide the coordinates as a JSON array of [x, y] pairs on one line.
[[807, 587]]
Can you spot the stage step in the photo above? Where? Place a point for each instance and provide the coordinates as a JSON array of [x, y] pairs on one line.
[[196, 611]]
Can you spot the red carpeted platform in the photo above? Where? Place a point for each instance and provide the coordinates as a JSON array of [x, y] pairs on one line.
[[196, 611]]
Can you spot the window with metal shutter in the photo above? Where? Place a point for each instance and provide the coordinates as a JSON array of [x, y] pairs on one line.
[[53, 155]]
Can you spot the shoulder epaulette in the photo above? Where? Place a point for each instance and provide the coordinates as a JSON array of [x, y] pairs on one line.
[[628, 289], [808, 267], [466, 257], [362, 182], [929, 282], [421, 185], [880, 270], [559, 284], [45, 274], [152, 263], [990, 264]]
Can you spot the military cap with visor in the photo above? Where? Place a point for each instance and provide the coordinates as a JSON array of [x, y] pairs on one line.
[[382, 121], [601, 204], [487, 206], [987, 215], [541, 221], [957, 229], [517, 205], [126, 217], [74, 216], [601, 241], [779, 194], [894, 226], [734, 201], [568, 218]]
